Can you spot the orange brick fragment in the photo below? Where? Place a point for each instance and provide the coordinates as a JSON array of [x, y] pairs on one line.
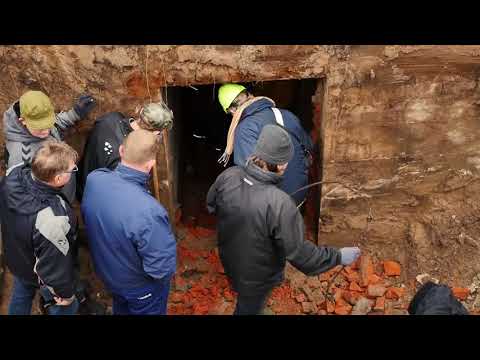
[[351, 297], [353, 276], [379, 304], [366, 269], [394, 293], [330, 307], [300, 298], [355, 287], [392, 268], [374, 279], [461, 293], [343, 310]]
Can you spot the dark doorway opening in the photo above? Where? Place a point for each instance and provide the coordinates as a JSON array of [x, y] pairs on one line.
[[199, 139]]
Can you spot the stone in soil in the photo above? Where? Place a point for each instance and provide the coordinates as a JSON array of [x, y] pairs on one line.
[[376, 290], [362, 307], [317, 297], [309, 307]]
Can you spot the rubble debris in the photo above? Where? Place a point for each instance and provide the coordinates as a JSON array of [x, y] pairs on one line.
[[366, 269], [391, 268], [379, 304], [460, 293], [376, 290], [362, 307], [394, 293], [424, 278], [365, 287]]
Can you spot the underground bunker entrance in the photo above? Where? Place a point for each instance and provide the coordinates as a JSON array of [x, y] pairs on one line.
[[199, 139]]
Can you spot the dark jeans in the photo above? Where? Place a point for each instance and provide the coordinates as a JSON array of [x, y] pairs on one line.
[[22, 299], [148, 300], [251, 305]]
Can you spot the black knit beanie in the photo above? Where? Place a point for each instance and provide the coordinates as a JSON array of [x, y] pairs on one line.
[[274, 145]]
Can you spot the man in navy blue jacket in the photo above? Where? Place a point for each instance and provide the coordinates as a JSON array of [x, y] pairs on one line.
[[131, 241], [254, 117]]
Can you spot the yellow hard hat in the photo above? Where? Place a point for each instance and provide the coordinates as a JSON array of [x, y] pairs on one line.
[[227, 93]]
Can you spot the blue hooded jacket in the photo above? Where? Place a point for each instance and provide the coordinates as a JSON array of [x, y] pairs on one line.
[[129, 233], [253, 119]]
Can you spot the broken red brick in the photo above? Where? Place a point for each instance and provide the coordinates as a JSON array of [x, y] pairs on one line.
[[374, 279], [379, 304], [317, 297], [343, 309], [460, 293], [351, 297], [228, 295], [324, 276], [366, 269], [353, 276], [392, 268], [176, 297], [394, 293], [322, 312], [203, 232], [355, 287], [300, 298], [330, 307], [356, 264], [314, 282], [309, 307], [200, 309], [342, 303], [337, 294]]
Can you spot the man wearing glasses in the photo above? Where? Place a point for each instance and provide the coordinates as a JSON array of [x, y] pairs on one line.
[[39, 231], [27, 124]]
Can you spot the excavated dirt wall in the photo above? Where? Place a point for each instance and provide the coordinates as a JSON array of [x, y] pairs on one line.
[[399, 127]]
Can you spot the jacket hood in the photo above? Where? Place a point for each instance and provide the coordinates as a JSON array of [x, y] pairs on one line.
[[24, 194], [14, 130], [256, 106], [262, 175]]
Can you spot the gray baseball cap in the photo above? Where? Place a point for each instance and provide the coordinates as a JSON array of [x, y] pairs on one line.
[[157, 116]]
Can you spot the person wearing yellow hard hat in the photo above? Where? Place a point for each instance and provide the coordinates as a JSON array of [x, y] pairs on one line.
[[250, 115]]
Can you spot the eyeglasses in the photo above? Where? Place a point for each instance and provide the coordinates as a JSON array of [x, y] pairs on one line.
[[75, 169]]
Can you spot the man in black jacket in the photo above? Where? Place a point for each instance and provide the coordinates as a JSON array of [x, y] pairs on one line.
[[38, 228], [108, 133], [260, 227]]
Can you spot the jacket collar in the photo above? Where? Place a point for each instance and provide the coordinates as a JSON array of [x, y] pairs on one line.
[[41, 187], [261, 175], [132, 175], [255, 107]]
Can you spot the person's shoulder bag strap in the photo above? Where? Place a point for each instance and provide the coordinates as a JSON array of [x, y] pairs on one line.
[[279, 120]]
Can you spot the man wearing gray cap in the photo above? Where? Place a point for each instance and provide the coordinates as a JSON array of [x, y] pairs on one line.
[[260, 227], [108, 133]]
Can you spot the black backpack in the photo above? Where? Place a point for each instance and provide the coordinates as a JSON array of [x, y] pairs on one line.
[[433, 299]]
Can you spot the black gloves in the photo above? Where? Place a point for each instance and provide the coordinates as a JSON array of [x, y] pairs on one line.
[[84, 105]]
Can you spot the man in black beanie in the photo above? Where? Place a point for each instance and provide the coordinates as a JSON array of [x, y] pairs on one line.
[[260, 227]]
